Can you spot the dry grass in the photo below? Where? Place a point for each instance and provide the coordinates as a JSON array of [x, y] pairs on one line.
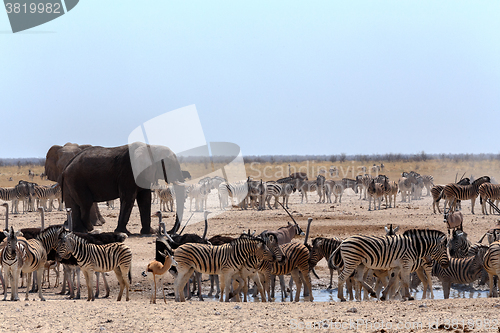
[[444, 171]]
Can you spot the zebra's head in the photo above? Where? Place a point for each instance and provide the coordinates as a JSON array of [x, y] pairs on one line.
[[65, 246], [440, 252], [271, 241], [11, 242], [316, 253]]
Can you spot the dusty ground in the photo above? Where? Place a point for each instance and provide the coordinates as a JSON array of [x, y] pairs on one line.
[[350, 217]]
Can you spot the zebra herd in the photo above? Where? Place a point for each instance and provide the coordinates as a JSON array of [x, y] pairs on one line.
[[31, 250], [32, 196]]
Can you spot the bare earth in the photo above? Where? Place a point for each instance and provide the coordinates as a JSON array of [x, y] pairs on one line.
[[351, 217]]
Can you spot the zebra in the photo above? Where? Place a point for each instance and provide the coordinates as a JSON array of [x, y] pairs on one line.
[[417, 187], [363, 182], [492, 265], [488, 191], [199, 193], [436, 191], [405, 185], [375, 191], [389, 252], [48, 193], [454, 192], [461, 270], [238, 191], [428, 183], [335, 188], [257, 191], [308, 186], [458, 244], [224, 260], [323, 248], [92, 258], [390, 192], [297, 261], [350, 183], [26, 256], [10, 194], [166, 198], [492, 234]]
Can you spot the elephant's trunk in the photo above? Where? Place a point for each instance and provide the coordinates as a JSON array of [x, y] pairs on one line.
[[180, 196]]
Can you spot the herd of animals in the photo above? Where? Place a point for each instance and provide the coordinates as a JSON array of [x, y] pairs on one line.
[[382, 266]]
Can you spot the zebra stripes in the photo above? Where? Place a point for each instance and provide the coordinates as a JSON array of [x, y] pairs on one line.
[[376, 192], [492, 266], [454, 192], [166, 198], [21, 255], [237, 191], [390, 252], [461, 270], [488, 191], [48, 194], [459, 245], [10, 194], [277, 190], [224, 260], [323, 248], [92, 258]]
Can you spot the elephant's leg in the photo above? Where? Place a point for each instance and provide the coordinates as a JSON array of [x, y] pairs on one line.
[[95, 215], [144, 204], [126, 205]]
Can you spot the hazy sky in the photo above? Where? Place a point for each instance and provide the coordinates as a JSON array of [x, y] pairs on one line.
[[291, 77]]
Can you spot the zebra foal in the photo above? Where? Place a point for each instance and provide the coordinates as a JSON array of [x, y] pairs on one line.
[[93, 258]]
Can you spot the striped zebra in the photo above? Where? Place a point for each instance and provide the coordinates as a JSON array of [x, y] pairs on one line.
[[224, 260], [376, 192], [257, 192], [323, 248], [363, 182], [198, 193], [93, 258], [390, 193], [454, 192], [488, 191], [26, 256], [297, 264], [236, 191], [458, 244], [308, 186], [417, 187], [166, 197], [389, 252], [405, 187], [461, 270], [44, 194], [428, 183], [335, 188], [10, 194], [276, 190], [350, 183], [492, 266], [436, 191]]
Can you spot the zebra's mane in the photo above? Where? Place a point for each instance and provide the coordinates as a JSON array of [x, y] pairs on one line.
[[424, 232], [246, 237], [482, 179]]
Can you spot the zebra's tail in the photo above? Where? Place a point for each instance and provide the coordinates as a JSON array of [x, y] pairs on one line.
[[130, 274], [331, 260], [315, 274], [440, 196]]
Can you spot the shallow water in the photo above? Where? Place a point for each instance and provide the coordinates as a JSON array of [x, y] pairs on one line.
[[330, 295]]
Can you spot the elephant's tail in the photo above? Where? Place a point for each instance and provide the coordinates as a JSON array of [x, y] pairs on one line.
[[62, 188]]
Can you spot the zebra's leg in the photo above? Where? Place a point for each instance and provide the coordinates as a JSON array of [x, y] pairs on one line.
[[473, 202], [260, 288], [296, 277], [331, 279], [198, 277], [283, 287], [106, 286], [446, 288], [89, 279], [14, 286], [210, 293], [27, 286], [77, 272], [392, 281], [272, 283], [39, 274]]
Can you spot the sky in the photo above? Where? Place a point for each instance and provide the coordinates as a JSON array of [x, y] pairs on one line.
[[274, 77]]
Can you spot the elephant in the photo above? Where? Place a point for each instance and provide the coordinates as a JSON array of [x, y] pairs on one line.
[[100, 174], [56, 160]]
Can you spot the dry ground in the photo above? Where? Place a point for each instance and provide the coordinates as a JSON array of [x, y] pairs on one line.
[[350, 217]]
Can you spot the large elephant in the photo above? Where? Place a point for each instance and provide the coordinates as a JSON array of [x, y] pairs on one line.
[[56, 160], [126, 172]]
